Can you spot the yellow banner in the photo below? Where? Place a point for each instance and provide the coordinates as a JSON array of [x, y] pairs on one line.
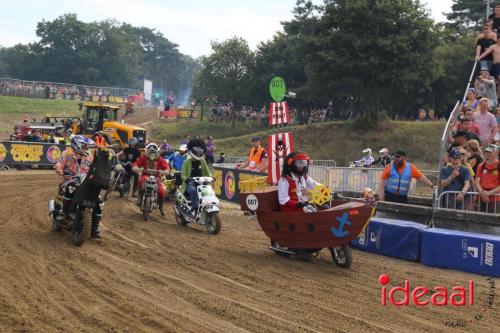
[[26, 153]]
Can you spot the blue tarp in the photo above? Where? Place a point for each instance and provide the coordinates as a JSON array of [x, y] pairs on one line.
[[393, 238], [465, 251]]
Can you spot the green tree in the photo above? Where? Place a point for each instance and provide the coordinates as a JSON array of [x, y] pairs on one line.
[[467, 14]]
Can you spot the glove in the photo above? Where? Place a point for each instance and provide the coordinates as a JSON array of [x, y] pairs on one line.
[[189, 179], [301, 204]]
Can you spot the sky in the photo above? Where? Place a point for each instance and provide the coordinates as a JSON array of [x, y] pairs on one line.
[[191, 24]]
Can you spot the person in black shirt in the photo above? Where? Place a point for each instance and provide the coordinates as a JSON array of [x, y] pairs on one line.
[[384, 158], [130, 154], [495, 19]]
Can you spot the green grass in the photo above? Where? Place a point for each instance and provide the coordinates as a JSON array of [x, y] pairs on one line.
[[334, 140], [36, 106]]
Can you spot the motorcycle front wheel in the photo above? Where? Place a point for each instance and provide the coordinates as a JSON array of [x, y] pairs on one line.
[[179, 218], [213, 223], [341, 256], [146, 208], [111, 187], [81, 227]]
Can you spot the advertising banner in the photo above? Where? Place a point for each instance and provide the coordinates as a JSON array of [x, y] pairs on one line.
[[30, 153], [227, 182], [148, 90]]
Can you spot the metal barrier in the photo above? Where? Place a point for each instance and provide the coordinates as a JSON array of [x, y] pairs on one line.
[[471, 202], [324, 163], [52, 90], [344, 179]]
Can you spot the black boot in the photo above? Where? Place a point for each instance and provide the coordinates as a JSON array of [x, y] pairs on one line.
[[94, 230], [160, 206]]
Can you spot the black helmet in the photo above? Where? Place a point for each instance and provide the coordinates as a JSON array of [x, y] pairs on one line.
[[196, 148]]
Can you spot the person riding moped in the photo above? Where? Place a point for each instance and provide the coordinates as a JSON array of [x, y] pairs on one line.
[[74, 163], [194, 166], [151, 160], [130, 154], [294, 181]]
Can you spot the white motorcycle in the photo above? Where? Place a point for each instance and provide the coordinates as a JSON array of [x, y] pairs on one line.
[[207, 213]]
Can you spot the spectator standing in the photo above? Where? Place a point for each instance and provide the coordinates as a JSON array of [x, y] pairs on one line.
[[466, 128], [186, 140], [257, 157], [497, 136], [470, 99], [396, 179], [165, 148], [486, 122], [468, 114], [495, 19], [488, 180], [475, 155], [484, 40], [455, 177], [486, 88], [209, 154], [494, 51]]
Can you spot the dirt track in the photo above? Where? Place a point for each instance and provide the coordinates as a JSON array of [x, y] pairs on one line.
[[159, 277]]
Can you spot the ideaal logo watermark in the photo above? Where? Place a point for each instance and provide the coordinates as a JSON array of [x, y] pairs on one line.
[[478, 315], [456, 296]]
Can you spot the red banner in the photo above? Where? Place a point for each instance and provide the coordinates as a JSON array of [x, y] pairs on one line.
[[278, 147]]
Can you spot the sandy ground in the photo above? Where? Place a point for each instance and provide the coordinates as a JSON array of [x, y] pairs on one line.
[[159, 277]]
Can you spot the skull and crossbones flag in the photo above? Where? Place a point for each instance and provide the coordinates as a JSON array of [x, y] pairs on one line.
[[278, 147], [278, 113]]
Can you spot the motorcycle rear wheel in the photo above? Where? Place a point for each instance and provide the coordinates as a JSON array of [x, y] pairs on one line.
[[213, 223], [56, 226], [341, 256], [78, 237]]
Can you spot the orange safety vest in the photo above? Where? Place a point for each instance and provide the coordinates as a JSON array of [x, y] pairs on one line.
[[254, 157], [101, 142]]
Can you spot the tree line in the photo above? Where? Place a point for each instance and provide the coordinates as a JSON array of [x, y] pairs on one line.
[[106, 53], [377, 56]]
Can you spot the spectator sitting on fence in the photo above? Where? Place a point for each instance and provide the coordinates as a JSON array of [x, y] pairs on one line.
[[475, 154], [495, 51], [384, 158], [455, 177], [486, 122], [396, 179], [484, 41], [486, 88], [488, 180], [222, 158]]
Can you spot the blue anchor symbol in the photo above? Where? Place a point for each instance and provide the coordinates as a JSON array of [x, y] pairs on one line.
[[340, 232]]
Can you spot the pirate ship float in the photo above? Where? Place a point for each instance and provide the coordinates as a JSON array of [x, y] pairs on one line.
[[327, 224]]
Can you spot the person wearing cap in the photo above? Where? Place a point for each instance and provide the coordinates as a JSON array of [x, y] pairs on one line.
[[177, 159], [396, 179], [488, 180], [455, 177], [209, 155], [257, 158], [486, 88], [486, 122]]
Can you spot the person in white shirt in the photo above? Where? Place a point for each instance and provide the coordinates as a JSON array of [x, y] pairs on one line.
[[294, 183]]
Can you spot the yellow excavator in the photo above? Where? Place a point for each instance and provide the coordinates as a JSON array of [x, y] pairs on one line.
[[101, 117]]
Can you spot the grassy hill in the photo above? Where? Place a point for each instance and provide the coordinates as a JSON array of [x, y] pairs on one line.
[[333, 140]]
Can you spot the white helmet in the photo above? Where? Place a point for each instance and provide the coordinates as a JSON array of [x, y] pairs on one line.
[[183, 147], [81, 145], [366, 152], [152, 151], [384, 152]]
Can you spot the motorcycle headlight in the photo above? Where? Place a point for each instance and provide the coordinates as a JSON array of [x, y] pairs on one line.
[[152, 179], [71, 189], [118, 167]]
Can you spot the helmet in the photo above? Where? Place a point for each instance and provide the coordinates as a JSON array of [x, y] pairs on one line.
[[81, 144], [366, 152], [133, 141], [152, 151], [384, 152], [294, 161], [196, 149], [183, 147]]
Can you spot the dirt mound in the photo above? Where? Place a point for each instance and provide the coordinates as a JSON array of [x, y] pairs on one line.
[[143, 116], [159, 277]]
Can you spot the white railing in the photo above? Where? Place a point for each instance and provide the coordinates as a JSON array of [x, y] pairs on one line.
[[471, 202]]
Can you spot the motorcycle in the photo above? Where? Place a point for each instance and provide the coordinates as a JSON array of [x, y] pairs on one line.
[[207, 213], [171, 182], [149, 200], [80, 196], [119, 181], [78, 219]]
